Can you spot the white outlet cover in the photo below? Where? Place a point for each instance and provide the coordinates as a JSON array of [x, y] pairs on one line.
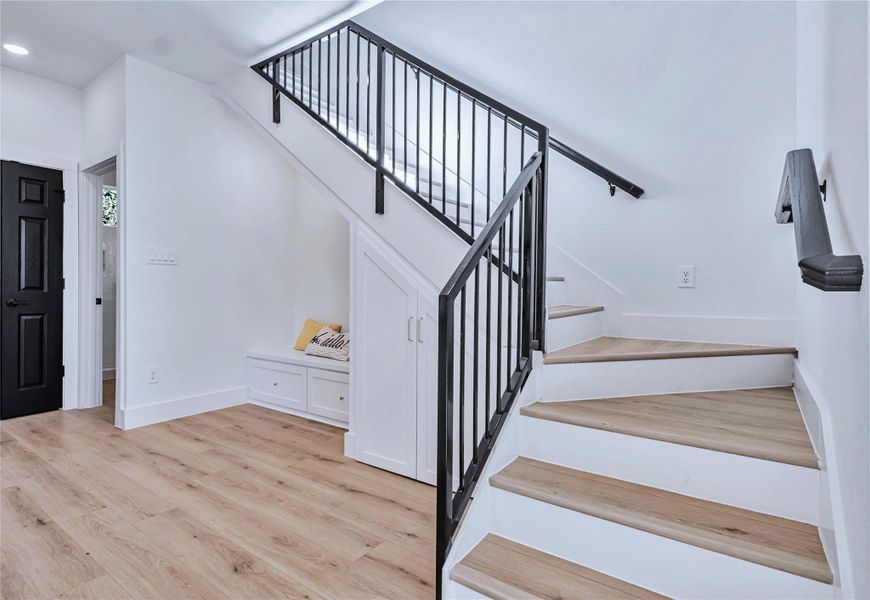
[[686, 276], [153, 375]]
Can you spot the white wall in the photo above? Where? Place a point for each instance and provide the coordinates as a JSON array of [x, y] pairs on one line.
[[200, 181], [103, 115], [40, 124], [832, 107], [40, 116], [320, 247], [693, 101]]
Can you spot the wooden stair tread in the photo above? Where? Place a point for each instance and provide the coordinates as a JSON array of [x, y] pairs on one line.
[[613, 349], [760, 423], [774, 542], [505, 570], [559, 311]]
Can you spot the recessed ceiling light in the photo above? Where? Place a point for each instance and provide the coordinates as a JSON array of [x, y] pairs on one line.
[[16, 49]]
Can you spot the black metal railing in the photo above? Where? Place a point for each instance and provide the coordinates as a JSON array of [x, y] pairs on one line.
[[486, 329], [448, 146], [480, 168]]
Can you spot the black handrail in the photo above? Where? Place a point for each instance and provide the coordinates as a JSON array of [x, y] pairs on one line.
[[524, 196], [800, 200], [613, 180]]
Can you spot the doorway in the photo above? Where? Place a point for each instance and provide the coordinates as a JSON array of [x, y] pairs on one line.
[[109, 284], [31, 322]]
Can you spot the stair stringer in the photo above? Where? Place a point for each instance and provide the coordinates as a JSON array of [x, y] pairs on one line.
[[346, 180]]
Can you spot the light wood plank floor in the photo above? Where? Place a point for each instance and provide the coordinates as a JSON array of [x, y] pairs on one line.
[[239, 503]]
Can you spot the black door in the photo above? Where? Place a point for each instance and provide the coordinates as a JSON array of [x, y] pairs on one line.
[[31, 314]]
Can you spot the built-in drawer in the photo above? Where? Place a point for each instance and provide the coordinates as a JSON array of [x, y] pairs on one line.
[[282, 384], [328, 394]]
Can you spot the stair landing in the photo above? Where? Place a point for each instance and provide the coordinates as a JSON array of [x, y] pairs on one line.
[[606, 349], [505, 570], [763, 423]]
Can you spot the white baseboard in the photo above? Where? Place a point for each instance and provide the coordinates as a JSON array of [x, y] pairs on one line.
[[725, 330], [832, 526], [108, 373], [139, 416]]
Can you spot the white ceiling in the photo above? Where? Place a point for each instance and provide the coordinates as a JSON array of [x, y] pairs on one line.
[[73, 41]]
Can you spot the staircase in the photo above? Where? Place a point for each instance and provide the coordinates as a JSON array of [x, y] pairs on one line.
[[630, 482], [633, 467]]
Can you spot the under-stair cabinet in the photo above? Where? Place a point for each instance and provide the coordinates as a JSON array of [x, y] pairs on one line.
[[394, 418]]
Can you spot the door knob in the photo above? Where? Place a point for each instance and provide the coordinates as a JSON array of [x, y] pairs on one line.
[[12, 303]]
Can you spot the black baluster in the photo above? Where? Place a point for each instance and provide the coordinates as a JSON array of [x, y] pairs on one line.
[[475, 363], [458, 163], [356, 120], [417, 132], [444, 152], [405, 121], [368, 95], [328, 76], [504, 159], [462, 319], [499, 320], [393, 106], [347, 87], [488, 390], [510, 296], [319, 76], [473, 153], [488, 156], [431, 172]]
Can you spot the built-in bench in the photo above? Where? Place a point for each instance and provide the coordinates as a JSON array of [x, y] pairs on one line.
[[297, 383]]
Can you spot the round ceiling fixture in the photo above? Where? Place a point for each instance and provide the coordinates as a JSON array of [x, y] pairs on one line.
[[16, 49]]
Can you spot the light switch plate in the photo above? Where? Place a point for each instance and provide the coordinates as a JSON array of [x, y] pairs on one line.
[[161, 256]]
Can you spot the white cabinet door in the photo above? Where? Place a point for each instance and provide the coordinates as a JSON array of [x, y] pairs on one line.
[[386, 368], [427, 389]]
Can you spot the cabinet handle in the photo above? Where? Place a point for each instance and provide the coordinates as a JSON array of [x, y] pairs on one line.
[[420, 330], [410, 329]]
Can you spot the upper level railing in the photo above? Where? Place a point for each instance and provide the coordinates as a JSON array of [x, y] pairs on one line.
[[800, 200]]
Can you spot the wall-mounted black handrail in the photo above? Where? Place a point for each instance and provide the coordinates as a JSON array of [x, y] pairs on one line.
[[800, 201], [613, 180]]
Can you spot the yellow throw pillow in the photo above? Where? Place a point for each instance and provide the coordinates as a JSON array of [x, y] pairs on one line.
[[310, 329]]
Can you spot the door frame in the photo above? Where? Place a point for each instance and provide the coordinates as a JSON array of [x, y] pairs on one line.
[[90, 269], [70, 304]]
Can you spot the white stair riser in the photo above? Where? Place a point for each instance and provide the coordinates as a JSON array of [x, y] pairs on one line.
[[457, 591], [650, 561], [568, 331], [585, 381], [556, 293], [760, 485]]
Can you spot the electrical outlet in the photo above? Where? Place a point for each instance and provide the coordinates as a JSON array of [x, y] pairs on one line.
[[153, 375], [686, 276]]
